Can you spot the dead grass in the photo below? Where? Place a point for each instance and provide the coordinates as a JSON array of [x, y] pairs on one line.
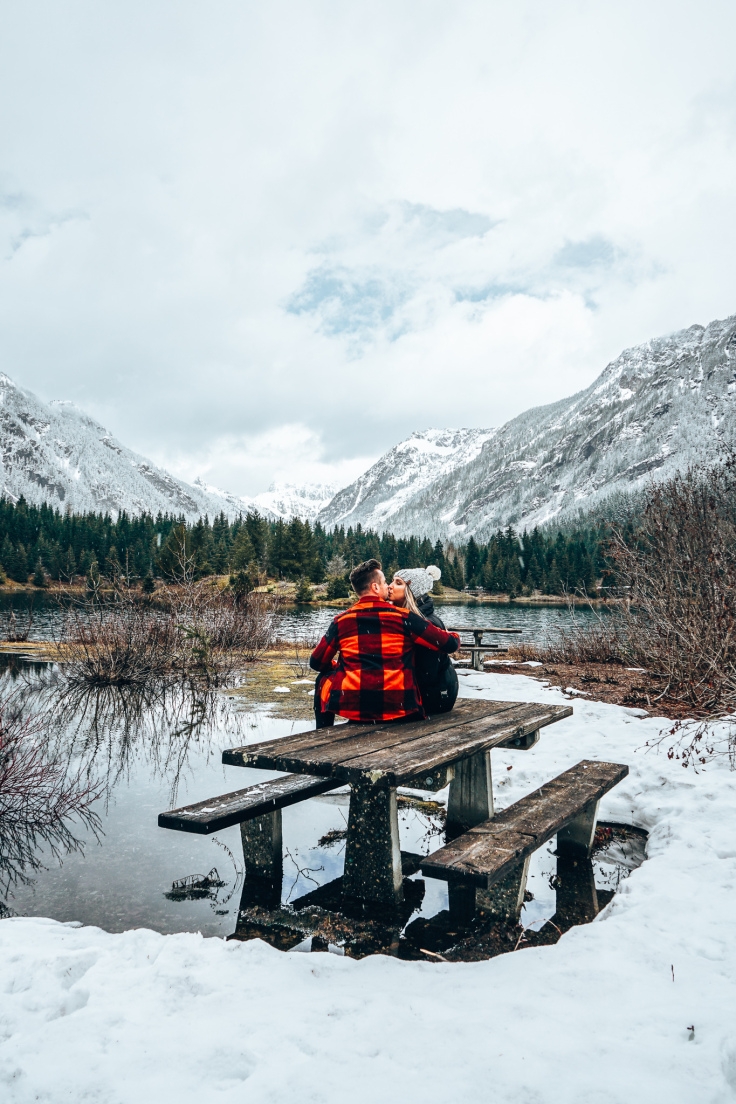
[[273, 669]]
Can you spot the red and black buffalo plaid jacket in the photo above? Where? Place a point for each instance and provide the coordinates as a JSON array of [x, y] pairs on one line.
[[368, 656]]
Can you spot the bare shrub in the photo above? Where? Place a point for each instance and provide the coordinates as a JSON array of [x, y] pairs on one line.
[[300, 646], [600, 639], [39, 798], [681, 571], [678, 568], [16, 630], [244, 624], [223, 628], [193, 630], [120, 643]]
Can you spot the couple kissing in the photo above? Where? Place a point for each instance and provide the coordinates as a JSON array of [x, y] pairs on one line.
[[387, 657]]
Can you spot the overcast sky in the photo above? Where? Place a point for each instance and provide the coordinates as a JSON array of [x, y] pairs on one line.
[[269, 240]]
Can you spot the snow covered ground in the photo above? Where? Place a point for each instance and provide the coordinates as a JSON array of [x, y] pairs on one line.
[[639, 1006]]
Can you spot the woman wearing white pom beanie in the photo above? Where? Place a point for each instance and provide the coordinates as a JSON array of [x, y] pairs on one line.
[[436, 677]]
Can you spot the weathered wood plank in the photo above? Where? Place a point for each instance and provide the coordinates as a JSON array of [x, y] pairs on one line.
[[437, 749], [205, 817], [344, 741], [360, 757], [396, 754], [488, 852]]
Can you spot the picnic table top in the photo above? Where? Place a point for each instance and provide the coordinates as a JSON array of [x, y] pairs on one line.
[[393, 754]]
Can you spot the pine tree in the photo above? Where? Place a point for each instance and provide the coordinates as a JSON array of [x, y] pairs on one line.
[[338, 588], [112, 564], [472, 563], [6, 555], [40, 578], [554, 581], [18, 567], [303, 591], [242, 551]]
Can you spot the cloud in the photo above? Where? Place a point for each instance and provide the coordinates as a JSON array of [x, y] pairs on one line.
[[383, 267], [357, 220], [349, 302], [287, 453], [596, 252]]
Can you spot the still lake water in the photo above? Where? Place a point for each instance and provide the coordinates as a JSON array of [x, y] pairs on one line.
[[537, 623]]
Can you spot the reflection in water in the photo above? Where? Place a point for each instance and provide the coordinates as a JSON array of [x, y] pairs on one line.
[[475, 925], [140, 753], [44, 797], [109, 728], [65, 752]]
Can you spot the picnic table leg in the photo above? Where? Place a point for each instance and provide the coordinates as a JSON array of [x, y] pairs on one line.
[[577, 837], [478, 655], [261, 838], [461, 901], [372, 855], [504, 900], [470, 800]]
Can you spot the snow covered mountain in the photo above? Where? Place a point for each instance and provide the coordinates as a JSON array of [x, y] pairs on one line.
[[55, 453], [288, 500], [390, 486], [653, 410]]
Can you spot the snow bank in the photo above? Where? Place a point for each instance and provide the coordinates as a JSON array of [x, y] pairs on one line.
[[140, 1017]]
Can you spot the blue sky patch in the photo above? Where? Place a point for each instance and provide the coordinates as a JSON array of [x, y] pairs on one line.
[[348, 302]]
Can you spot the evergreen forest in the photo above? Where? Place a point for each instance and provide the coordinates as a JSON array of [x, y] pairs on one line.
[[42, 543]]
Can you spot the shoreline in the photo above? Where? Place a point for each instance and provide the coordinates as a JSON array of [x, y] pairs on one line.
[[449, 597]]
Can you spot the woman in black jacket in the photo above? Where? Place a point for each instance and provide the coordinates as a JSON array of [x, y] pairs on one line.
[[436, 677]]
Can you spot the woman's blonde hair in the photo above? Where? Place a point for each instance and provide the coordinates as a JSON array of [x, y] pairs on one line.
[[409, 600]]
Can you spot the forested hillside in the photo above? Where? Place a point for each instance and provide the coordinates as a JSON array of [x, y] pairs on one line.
[[44, 543]]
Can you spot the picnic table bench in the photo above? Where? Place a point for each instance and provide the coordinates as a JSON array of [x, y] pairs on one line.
[[478, 649], [487, 866]]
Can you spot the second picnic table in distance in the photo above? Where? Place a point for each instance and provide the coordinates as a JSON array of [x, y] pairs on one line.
[[478, 649]]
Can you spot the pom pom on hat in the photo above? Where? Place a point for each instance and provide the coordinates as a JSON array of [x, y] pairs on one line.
[[420, 579]]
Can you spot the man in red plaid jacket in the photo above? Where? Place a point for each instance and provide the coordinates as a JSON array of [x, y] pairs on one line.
[[366, 657]]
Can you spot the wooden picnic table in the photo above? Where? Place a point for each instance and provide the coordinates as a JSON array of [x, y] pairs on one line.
[[478, 649], [375, 759]]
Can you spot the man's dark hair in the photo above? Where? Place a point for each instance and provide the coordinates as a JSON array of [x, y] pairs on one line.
[[363, 575]]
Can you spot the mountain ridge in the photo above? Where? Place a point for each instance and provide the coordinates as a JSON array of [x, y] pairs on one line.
[[655, 408], [57, 453]]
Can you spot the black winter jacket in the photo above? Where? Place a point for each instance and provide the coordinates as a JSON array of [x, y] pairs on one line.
[[435, 674]]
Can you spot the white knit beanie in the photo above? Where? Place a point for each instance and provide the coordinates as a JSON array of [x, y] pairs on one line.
[[420, 579]]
